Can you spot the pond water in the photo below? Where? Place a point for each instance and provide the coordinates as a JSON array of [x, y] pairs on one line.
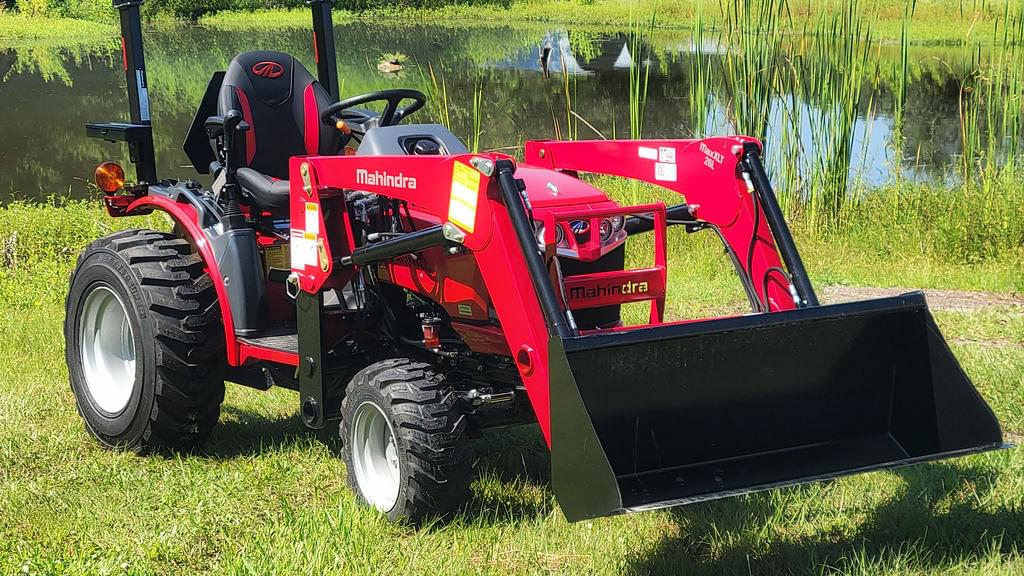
[[47, 95]]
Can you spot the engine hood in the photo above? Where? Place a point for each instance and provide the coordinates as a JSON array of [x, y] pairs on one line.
[[549, 188]]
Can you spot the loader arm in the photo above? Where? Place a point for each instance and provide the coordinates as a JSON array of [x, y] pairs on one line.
[[714, 178]]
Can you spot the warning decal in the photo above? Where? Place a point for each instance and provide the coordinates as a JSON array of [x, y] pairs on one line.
[[665, 172], [667, 154], [464, 193], [312, 217], [647, 152], [303, 249]]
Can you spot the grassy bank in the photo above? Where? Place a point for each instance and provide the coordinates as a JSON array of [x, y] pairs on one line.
[[18, 30], [266, 497]]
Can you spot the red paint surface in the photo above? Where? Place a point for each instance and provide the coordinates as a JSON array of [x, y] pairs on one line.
[[311, 116], [250, 135]]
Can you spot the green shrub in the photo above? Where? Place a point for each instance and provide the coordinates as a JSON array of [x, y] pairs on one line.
[[96, 10], [188, 9], [37, 7]]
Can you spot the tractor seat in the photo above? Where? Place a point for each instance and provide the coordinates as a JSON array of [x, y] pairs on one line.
[[281, 101], [267, 192]]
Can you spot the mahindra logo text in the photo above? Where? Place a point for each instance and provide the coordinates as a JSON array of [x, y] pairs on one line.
[[267, 69], [602, 290], [376, 178]]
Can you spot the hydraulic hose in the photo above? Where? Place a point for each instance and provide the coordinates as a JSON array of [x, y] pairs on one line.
[[557, 322]]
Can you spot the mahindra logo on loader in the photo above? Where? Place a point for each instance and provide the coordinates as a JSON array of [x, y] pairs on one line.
[[376, 178], [267, 69], [602, 290]]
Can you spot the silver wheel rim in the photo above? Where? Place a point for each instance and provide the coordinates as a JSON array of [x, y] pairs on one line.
[[375, 457], [108, 349]]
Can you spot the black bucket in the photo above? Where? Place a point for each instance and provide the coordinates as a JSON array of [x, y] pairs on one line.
[[676, 414]]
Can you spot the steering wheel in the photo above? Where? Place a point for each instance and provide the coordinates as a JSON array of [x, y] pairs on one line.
[[392, 114]]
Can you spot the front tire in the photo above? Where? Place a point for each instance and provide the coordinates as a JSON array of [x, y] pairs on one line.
[[404, 441], [144, 345]]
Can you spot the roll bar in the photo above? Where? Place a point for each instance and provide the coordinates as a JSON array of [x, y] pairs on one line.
[[138, 133]]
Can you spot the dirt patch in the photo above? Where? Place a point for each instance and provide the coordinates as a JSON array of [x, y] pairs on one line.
[[947, 300], [994, 343]]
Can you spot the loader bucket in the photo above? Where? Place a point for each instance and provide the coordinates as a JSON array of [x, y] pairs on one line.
[[682, 413]]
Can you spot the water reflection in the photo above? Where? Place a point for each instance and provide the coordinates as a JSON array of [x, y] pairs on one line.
[[47, 95]]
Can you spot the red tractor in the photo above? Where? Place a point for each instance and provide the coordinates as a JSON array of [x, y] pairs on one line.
[[413, 293]]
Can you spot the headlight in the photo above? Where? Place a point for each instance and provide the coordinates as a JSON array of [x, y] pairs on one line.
[[606, 229], [618, 222], [540, 230]]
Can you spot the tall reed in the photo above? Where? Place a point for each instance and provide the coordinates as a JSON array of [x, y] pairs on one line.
[[640, 31], [832, 86], [437, 90], [477, 116], [572, 119], [812, 98], [991, 102], [750, 69], [701, 77], [902, 76]]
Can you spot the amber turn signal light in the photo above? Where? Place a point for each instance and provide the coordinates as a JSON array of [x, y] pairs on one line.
[[109, 177]]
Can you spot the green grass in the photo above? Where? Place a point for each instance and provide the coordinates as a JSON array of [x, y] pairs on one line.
[[935, 21], [27, 31], [265, 496]]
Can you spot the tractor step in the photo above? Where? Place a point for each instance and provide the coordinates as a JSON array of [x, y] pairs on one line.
[[282, 340]]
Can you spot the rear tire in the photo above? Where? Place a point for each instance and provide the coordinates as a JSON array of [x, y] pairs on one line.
[[404, 441], [144, 344]]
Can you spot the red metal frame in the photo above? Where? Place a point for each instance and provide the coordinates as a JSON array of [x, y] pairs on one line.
[[704, 172], [645, 284]]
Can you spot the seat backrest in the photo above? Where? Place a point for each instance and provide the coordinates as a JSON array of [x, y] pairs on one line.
[[281, 101]]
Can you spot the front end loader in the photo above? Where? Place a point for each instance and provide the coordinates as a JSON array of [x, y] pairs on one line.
[[414, 294]]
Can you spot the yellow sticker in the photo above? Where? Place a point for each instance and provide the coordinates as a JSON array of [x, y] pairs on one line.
[[312, 217], [309, 256], [277, 256], [464, 193]]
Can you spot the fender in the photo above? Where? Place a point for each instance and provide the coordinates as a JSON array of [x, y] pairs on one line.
[[185, 216]]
